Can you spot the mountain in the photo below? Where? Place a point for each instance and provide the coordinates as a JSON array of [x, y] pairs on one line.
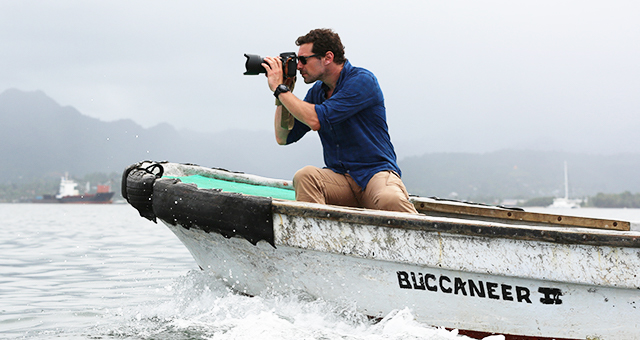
[[39, 138]]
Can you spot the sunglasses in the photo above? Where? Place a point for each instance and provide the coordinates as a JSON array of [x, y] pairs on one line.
[[304, 59]]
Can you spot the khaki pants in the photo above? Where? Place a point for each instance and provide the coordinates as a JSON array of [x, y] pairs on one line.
[[385, 190]]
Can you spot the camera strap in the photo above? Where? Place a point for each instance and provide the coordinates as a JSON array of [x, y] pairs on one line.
[[286, 118]]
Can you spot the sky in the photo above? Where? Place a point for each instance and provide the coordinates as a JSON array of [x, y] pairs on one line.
[[457, 76]]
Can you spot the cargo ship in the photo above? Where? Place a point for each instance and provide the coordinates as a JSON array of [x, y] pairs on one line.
[[68, 193]]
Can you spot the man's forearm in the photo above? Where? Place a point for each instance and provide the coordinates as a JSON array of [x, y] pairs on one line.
[[303, 111], [281, 133]]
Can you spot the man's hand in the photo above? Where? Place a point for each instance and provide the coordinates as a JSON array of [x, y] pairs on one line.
[[273, 65]]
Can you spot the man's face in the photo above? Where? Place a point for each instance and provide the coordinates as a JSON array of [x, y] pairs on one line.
[[313, 69]]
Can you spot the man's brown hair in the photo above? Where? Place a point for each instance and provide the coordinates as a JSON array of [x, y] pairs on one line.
[[324, 40]]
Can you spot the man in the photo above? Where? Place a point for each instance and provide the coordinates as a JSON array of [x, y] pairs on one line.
[[346, 107]]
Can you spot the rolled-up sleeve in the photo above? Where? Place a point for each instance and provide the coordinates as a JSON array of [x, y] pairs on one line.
[[298, 131]]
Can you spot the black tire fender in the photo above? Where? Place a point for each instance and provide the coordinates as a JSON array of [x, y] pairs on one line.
[[137, 187]]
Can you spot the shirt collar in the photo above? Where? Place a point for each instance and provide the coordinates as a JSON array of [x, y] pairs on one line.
[[343, 73]]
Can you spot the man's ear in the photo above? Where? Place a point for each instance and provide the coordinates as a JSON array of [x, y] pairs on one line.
[[328, 58]]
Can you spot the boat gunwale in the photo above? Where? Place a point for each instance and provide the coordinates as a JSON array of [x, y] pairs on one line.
[[459, 226], [179, 169]]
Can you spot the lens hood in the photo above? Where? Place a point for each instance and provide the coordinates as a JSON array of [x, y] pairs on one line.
[[254, 65]]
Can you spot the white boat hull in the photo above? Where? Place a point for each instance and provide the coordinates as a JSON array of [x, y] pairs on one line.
[[494, 288], [483, 271]]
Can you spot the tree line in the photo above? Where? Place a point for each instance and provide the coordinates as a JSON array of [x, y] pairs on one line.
[[24, 192], [623, 200]]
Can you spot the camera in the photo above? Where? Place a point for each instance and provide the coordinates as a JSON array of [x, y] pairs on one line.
[[289, 64]]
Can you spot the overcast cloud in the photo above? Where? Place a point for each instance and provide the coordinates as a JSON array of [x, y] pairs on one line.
[[472, 76]]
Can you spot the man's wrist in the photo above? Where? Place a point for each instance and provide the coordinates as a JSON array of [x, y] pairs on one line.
[[282, 88]]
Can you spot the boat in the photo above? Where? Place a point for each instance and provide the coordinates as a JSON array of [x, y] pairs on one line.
[[565, 202], [479, 269], [68, 193]]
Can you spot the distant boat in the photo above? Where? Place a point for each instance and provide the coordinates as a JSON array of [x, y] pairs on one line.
[[69, 194], [565, 202]]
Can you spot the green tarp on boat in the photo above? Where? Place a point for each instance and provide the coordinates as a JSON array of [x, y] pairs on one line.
[[243, 188]]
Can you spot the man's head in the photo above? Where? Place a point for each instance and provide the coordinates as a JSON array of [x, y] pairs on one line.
[[321, 56], [324, 40]]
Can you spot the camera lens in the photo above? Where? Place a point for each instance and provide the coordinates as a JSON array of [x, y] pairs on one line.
[[254, 65]]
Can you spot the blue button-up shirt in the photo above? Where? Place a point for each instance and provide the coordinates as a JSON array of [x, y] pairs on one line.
[[353, 126]]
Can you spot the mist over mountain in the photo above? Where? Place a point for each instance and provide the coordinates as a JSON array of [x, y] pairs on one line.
[[39, 138]]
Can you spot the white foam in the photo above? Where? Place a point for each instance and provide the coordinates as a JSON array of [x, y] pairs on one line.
[[197, 305]]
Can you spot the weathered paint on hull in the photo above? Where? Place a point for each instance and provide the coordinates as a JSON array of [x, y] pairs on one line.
[[322, 259]]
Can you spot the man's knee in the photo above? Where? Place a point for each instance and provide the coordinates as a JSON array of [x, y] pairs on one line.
[[304, 175], [391, 194], [307, 186], [396, 202], [389, 198]]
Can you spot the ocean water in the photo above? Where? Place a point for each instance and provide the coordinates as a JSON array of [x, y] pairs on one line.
[[103, 272]]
